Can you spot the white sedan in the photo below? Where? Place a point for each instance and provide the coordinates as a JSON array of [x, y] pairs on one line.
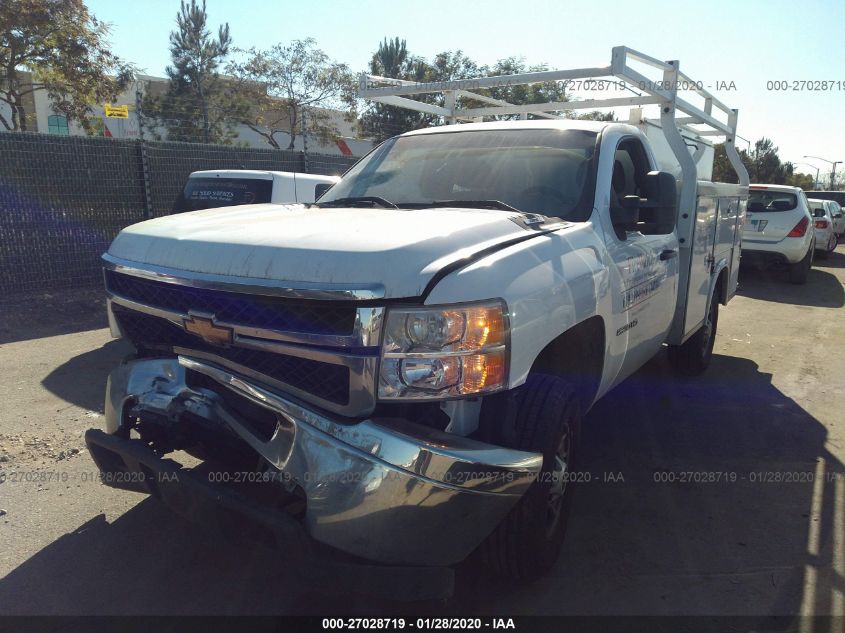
[[823, 223], [838, 219], [778, 229]]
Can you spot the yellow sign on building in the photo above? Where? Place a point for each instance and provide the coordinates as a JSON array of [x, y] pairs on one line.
[[116, 112]]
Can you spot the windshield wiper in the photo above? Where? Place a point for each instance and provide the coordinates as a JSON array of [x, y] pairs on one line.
[[472, 204], [353, 200]]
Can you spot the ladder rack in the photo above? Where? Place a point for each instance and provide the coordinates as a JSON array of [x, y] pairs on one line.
[[662, 93]]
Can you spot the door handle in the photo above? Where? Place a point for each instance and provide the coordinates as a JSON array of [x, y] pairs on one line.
[[668, 254]]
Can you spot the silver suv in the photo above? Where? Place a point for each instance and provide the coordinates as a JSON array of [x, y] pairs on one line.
[[779, 229]]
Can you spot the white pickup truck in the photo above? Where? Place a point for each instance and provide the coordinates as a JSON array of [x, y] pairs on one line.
[[209, 189], [399, 371]]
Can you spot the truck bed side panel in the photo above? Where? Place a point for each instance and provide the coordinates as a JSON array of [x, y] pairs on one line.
[[701, 256], [727, 239], [716, 242]]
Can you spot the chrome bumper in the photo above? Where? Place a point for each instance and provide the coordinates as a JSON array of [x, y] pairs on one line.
[[386, 490]]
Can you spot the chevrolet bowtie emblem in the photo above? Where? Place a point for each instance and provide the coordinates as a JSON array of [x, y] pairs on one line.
[[208, 331]]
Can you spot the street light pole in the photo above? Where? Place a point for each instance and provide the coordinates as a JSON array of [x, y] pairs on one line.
[[747, 141], [816, 181], [833, 164]]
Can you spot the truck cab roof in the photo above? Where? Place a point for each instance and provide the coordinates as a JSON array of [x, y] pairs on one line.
[[532, 124], [254, 174]]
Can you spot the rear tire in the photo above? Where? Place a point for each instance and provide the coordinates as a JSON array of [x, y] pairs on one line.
[[828, 249], [798, 272], [543, 415], [693, 356]]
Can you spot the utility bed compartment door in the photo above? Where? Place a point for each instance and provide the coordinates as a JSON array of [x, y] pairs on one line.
[[729, 237], [701, 264]]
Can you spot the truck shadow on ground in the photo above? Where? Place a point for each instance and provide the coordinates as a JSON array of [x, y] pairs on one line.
[[822, 289], [660, 536], [82, 380]]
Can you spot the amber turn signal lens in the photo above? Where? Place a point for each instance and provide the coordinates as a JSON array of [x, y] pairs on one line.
[[485, 327], [484, 371]]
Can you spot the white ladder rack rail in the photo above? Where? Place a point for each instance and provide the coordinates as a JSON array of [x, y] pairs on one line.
[[663, 93]]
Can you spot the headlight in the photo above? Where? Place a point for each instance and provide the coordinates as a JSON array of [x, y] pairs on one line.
[[433, 353]]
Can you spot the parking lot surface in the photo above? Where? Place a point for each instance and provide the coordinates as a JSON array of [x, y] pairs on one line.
[[723, 494]]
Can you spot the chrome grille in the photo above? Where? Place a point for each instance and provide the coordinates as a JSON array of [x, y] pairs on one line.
[[275, 313], [322, 350], [324, 380]]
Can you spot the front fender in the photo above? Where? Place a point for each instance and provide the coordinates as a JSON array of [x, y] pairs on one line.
[[550, 284]]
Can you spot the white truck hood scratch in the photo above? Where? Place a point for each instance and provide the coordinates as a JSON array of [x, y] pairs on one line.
[[399, 248]]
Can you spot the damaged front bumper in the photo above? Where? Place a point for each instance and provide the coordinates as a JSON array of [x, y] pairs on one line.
[[385, 490]]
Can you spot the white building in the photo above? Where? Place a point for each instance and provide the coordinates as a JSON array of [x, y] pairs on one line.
[[43, 118]]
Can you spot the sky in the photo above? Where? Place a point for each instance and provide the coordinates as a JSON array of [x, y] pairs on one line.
[[735, 48]]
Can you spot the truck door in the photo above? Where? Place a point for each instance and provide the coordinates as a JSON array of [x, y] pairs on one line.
[[646, 264]]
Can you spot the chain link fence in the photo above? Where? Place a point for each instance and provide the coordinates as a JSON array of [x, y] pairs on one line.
[[63, 199]]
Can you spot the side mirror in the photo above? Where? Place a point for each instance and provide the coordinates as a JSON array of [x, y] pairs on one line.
[[625, 217], [631, 202], [320, 189], [661, 200]]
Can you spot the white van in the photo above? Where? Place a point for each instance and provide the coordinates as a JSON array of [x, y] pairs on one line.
[[231, 187]]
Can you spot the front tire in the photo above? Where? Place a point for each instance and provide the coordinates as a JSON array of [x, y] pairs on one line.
[[543, 415], [799, 272], [693, 356]]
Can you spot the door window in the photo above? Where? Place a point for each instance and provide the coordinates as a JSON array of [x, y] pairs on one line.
[[630, 167]]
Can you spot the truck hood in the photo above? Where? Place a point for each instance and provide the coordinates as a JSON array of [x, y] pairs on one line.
[[401, 249]]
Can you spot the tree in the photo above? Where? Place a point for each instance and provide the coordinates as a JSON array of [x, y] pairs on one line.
[[64, 47], [195, 106], [805, 181], [545, 92], [452, 66], [596, 115], [723, 171], [290, 88], [393, 60], [764, 165]]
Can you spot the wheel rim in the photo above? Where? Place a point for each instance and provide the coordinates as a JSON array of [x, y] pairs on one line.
[[559, 479]]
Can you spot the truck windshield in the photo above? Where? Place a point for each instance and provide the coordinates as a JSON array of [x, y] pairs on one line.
[[209, 193], [543, 171]]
